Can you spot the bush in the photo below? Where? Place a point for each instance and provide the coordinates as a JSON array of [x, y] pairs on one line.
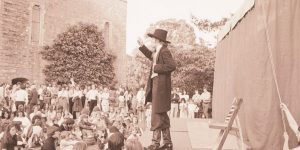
[[79, 53]]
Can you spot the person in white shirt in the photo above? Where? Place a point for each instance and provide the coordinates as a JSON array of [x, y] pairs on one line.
[[92, 97], [105, 100], [206, 98], [20, 97], [141, 96], [197, 100], [35, 112], [196, 97], [2, 91], [122, 102], [24, 120], [191, 109], [40, 95], [140, 103], [63, 98], [173, 113], [185, 96], [183, 108]]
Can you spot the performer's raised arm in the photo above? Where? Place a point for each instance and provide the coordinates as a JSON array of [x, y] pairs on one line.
[[144, 49]]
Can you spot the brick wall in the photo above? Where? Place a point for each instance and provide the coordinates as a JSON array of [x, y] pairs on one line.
[[15, 52], [20, 57]]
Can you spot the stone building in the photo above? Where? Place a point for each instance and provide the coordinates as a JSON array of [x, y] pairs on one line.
[[28, 25]]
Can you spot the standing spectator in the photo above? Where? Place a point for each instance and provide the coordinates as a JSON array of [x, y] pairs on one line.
[[47, 95], [20, 96], [54, 89], [2, 108], [40, 96], [122, 102], [7, 94], [128, 97], [191, 107], [105, 100], [134, 101], [71, 95], [197, 100], [2, 90], [174, 104], [140, 103], [77, 104], [148, 114], [112, 97], [183, 108], [33, 97], [185, 96], [206, 98], [63, 98], [92, 97]]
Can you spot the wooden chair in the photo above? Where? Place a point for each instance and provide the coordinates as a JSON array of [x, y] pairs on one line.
[[227, 128]]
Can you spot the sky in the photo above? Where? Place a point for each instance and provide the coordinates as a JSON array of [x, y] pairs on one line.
[[142, 13]]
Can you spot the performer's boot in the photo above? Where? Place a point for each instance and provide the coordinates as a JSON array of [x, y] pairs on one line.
[[168, 145], [155, 140]]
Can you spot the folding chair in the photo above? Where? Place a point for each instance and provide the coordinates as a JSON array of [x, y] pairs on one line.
[[227, 128]]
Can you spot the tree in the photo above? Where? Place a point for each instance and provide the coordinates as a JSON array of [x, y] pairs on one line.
[[195, 67], [79, 53], [195, 63], [206, 25], [179, 31]]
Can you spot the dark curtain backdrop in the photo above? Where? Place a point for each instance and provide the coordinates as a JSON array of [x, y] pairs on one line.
[[243, 69]]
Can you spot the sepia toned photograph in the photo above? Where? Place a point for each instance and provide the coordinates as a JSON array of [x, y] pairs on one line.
[[149, 74]]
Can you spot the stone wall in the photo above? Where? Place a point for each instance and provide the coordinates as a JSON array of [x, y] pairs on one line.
[[20, 56]]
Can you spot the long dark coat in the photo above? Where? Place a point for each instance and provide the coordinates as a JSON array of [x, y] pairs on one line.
[[158, 89]]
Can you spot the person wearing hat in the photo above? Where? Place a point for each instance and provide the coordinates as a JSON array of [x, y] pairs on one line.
[[53, 134], [159, 86]]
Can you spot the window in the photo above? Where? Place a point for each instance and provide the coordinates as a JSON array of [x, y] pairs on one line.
[[106, 35], [35, 26]]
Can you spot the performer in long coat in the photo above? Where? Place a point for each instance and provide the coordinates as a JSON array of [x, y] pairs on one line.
[[159, 86]]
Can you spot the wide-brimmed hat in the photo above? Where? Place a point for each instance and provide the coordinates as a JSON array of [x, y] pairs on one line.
[[160, 34]]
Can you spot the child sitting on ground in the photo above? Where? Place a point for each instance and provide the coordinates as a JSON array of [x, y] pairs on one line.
[[87, 129], [67, 141], [77, 132], [95, 115], [35, 132]]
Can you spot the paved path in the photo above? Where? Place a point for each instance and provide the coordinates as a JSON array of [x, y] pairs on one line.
[[190, 134]]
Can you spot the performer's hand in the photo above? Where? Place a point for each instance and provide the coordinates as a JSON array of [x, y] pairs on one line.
[[283, 107], [140, 42]]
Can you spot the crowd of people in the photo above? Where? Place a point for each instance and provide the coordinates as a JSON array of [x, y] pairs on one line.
[[71, 116], [184, 106]]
